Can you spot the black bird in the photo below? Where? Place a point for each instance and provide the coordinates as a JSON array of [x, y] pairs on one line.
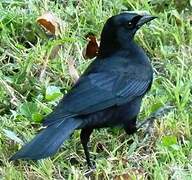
[[108, 94]]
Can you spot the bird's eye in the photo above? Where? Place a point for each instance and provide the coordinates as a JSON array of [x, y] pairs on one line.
[[130, 25]]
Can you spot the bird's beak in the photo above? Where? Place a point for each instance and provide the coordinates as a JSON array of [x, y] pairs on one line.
[[145, 19]]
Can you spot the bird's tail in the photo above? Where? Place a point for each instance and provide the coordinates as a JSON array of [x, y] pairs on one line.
[[48, 141]]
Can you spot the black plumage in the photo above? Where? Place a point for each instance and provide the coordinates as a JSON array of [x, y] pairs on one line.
[[108, 94]]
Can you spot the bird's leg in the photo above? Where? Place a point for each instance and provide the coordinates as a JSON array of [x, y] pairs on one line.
[[130, 127], [85, 136]]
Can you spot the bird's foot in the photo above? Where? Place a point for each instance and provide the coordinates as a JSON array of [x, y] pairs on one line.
[[150, 121], [91, 165], [91, 170], [150, 126]]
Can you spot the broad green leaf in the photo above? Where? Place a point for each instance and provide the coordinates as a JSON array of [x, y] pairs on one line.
[[27, 109], [37, 117], [52, 93], [156, 106]]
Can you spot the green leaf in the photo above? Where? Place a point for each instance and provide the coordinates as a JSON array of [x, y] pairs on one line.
[[169, 141], [27, 109], [53, 93], [156, 106], [37, 117]]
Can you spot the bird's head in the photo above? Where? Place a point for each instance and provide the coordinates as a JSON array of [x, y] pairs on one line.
[[120, 29]]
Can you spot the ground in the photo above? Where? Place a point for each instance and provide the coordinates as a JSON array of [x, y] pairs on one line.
[[33, 78]]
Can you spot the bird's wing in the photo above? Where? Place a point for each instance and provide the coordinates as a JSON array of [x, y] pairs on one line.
[[98, 91]]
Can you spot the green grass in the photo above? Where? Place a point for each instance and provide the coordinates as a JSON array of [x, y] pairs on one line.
[[27, 93]]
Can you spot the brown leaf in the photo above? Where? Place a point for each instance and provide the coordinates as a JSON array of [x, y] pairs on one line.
[[91, 50], [72, 70], [50, 22]]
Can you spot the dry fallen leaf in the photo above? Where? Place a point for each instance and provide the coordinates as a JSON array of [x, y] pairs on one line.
[[72, 70], [91, 50], [50, 22]]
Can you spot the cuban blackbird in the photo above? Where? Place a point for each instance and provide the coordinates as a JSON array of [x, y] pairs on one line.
[[108, 94]]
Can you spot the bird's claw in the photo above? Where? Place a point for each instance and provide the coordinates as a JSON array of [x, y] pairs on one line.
[[90, 171], [92, 165], [150, 121]]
